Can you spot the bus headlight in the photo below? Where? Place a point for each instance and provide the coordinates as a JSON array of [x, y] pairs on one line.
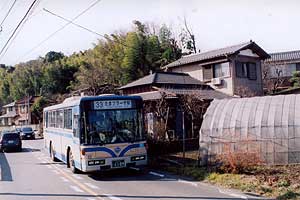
[[137, 158], [96, 162]]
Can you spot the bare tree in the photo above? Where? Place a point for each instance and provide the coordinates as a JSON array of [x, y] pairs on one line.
[[195, 106], [160, 107], [273, 83], [188, 38], [243, 91]]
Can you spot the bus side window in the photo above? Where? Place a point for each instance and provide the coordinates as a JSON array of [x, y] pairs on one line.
[[75, 125]]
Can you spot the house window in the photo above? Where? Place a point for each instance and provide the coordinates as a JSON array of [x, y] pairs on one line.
[[298, 67], [221, 70], [207, 73], [246, 70], [10, 109], [252, 75], [23, 109]]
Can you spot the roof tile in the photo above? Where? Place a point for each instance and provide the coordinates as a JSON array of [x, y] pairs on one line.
[[216, 54]]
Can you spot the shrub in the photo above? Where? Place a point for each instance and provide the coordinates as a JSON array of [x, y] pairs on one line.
[[237, 162]]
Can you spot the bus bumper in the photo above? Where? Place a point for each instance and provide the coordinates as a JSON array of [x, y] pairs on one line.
[[92, 165]]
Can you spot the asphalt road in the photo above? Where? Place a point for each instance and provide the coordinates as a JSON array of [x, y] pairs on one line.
[[30, 175]]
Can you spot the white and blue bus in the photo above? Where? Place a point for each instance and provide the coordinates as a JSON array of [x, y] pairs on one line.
[[96, 133]]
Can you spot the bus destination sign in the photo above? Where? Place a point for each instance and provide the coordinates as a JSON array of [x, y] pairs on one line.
[[112, 104]]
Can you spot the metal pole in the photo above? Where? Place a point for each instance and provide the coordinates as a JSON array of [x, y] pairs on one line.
[[183, 138]]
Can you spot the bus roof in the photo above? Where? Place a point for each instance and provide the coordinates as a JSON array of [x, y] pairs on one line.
[[76, 100]]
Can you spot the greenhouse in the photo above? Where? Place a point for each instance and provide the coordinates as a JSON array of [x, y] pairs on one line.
[[268, 125]]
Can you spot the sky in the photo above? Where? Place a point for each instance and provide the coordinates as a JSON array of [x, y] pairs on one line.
[[272, 24]]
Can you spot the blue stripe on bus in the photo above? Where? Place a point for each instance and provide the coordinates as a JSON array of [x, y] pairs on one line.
[[105, 149], [111, 152], [132, 146], [59, 133]]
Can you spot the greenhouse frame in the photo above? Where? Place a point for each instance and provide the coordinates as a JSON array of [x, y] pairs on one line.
[[268, 125]]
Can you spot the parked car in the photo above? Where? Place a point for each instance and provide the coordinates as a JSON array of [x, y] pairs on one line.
[[27, 133], [18, 130], [10, 141]]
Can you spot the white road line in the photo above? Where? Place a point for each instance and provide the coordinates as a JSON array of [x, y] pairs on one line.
[[75, 188], [170, 179], [157, 174], [92, 186], [136, 169], [233, 194], [55, 171], [66, 170], [112, 197], [64, 179], [188, 182], [77, 177]]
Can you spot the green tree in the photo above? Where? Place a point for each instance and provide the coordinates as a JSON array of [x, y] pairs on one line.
[[5, 95], [38, 106], [52, 56], [26, 79], [295, 80], [58, 76]]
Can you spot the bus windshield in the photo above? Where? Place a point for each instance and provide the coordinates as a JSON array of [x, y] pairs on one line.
[[113, 126]]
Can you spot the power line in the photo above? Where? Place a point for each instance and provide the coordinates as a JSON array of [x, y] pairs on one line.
[[87, 29], [11, 7], [12, 35], [22, 25], [61, 28], [71, 21]]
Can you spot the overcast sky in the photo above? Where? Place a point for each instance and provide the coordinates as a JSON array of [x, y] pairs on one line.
[[272, 24]]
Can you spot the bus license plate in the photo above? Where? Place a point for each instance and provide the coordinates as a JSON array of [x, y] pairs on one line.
[[118, 163]]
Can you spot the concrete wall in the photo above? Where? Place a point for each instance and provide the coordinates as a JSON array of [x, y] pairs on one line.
[[194, 70]]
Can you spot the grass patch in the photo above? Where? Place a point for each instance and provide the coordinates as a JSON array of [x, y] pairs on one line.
[[280, 182], [289, 195]]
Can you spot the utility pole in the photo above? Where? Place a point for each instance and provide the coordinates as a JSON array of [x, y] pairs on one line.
[[183, 138], [29, 115]]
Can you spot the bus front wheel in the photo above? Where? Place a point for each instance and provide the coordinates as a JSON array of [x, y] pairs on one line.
[[71, 162]]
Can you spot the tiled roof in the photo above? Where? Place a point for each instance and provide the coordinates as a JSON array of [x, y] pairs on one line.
[[164, 78], [9, 105], [218, 53], [284, 56], [25, 100], [11, 114], [153, 95], [205, 93]]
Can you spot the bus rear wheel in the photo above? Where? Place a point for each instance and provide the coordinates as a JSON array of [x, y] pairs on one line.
[[71, 162], [52, 154]]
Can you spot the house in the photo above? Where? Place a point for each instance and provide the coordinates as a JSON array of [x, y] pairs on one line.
[[279, 68], [10, 114], [161, 92], [18, 112], [234, 70], [23, 111]]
